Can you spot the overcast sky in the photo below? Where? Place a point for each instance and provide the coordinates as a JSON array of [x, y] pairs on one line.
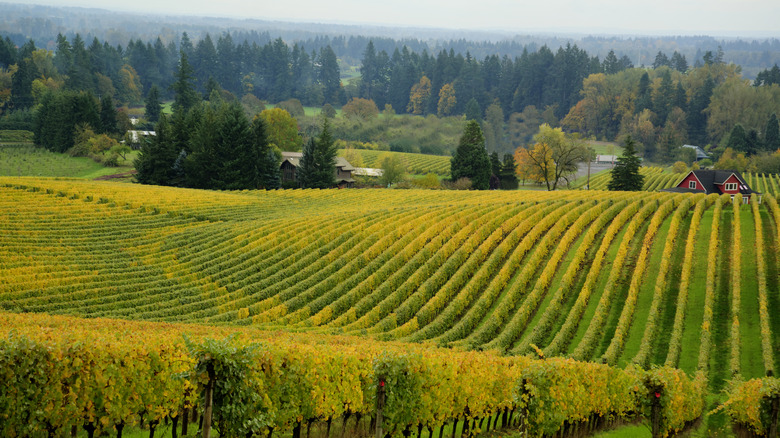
[[710, 17]]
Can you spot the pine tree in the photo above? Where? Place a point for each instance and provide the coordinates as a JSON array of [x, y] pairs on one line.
[[108, 116], [158, 155], [473, 111], [772, 134], [495, 164], [508, 175], [269, 174], [471, 159], [153, 105], [625, 174], [318, 164], [738, 139], [185, 96]]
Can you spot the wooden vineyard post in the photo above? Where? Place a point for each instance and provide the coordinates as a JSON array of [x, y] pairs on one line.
[[655, 412], [775, 413], [380, 406], [207, 408]]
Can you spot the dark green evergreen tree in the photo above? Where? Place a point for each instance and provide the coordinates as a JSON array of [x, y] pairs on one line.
[[153, 105], [625, 174], [473, 111], [644, 98], [664, 97], [238, 157], [679, 62], [58, 115], [508, 174], [772, 134], [697, 117], [471, 158], [738, 139], [158, 155], [768, 77], [661, 60], [318, 164], [108, 124], [268, 167], [185, 96], [495, 164], [329, 76]]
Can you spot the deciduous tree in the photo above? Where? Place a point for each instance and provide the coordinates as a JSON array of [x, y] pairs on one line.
[[282, 129], [556, 155]]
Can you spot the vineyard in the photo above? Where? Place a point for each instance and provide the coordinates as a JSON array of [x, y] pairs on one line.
[[656, 178], [418, 164], [688, 282]]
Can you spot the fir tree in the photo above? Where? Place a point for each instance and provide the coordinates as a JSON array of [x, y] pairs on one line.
[[318, 164], [108, 116], [495, 164], [625, 174], [158, 155], [473, 111], [269, 174], [508, 175], [772, 134], [153, 105], [471, 159], [185, 96]]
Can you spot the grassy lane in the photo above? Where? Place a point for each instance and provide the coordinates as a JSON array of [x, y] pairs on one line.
[[750, 332], [554, 285], [772, 280], [668, 307], [598, 290], [619, 297], [645, 297], [721, 320], [691, 336]]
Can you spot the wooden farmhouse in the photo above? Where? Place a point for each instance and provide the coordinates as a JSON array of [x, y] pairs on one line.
[[728, 182], [292, 160]]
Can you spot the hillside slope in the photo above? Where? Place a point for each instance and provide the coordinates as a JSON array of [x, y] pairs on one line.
[[621, 277]]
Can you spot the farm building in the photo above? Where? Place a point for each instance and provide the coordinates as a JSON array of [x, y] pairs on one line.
[[728, 182], [700, 154], [292, 160]]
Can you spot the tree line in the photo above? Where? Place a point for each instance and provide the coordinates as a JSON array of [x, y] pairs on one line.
[[662, 108]]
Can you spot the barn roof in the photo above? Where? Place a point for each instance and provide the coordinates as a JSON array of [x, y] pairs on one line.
[[294, 158]]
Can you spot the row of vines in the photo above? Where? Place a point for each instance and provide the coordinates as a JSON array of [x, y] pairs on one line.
[[61, 374]]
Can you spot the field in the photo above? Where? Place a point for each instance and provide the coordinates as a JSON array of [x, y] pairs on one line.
[[591, 275], [26, 159], [650, 279]]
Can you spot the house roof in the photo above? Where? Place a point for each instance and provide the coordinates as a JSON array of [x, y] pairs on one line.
[[700, 154], [368, 171], [294, 158], [710, 180]]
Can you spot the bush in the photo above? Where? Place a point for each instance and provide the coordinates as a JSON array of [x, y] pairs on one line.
[[459, 184], [429, 181]]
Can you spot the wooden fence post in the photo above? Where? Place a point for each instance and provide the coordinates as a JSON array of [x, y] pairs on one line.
[[380, 406]]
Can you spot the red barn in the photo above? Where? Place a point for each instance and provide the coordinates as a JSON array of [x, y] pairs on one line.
[[728, 182]]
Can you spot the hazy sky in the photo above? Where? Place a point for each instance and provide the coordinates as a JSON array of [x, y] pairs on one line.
[[711, 17]]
